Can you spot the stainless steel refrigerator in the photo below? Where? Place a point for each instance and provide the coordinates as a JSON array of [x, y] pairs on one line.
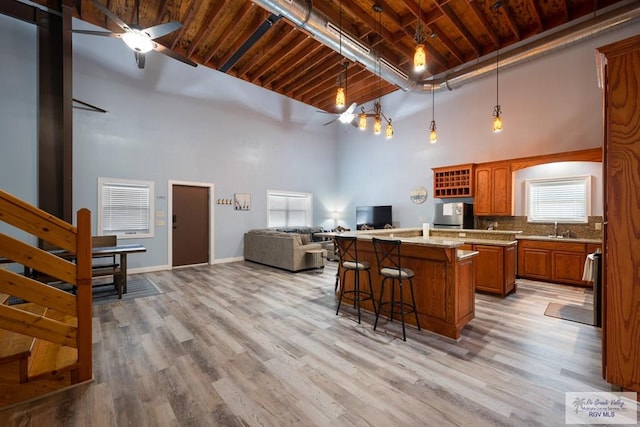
[[453, 215]]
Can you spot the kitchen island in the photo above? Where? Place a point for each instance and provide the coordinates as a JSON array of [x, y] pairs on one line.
[[444, 282]]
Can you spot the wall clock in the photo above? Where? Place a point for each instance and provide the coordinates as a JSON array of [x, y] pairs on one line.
[[418, 195]]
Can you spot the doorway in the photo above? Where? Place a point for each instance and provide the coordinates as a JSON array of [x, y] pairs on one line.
[[191, 224]]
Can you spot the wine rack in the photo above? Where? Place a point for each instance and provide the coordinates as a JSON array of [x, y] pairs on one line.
[[453, 181]]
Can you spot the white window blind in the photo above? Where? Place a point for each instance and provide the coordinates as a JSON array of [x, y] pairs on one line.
[[288, 209], [125, 207], [562, 199]]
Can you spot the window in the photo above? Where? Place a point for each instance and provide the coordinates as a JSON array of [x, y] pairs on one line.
[[287, 209], [560, 199], [125, 207]]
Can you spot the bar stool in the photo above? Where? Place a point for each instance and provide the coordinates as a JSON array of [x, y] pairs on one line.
[[348, 252], [389, 267]]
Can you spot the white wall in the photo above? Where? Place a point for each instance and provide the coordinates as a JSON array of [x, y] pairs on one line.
[[550, 105], [174, 122]]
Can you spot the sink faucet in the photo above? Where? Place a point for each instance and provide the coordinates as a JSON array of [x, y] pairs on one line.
[[555, 229]]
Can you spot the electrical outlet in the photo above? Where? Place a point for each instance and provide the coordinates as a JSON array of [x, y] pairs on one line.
[[462, 234], [598, 226]]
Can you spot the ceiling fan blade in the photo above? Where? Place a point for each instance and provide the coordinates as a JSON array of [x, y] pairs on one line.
[[351, 108], [162, 29], [328, 123], [175, 55], [140, 59], [99, 33], [111, 15]]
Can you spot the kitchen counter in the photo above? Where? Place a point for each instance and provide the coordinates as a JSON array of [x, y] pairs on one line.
[[560, 239]]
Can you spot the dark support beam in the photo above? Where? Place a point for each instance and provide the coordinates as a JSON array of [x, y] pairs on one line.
[[55, 101]]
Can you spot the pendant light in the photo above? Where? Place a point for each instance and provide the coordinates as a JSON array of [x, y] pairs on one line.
[[497, 111], [340, 94], [362, 122], [433, 136], [377, 107], [420, 56]]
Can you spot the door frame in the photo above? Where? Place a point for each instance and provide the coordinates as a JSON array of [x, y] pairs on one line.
[[211, 187]]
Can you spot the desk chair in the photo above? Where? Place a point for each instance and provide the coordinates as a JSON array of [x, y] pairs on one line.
[[348, 262], [390, 268]]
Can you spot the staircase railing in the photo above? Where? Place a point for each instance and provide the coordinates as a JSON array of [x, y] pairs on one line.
[[74, 239]]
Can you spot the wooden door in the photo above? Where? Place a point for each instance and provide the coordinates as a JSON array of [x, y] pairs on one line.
[[482, 199], [190, 225], [568, 267], [534, 263], [621, 319], [501, 190]]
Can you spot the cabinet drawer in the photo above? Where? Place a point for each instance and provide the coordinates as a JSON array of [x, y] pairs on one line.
[[555, 245]]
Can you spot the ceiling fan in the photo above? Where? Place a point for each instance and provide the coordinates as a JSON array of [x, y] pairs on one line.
[[345, 117], [140, 40]]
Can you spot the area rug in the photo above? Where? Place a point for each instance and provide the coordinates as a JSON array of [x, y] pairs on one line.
[[571, 312], [137, 287]]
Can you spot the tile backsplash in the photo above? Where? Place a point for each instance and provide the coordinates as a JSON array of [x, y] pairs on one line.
[[519, 223]]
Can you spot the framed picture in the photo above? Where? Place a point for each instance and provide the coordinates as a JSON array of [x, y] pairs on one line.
[[242, 201]]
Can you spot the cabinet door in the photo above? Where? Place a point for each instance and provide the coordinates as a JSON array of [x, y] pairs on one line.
[[489, 269], [501, 190], [568, 267], [535, 263], [482, 199], [509, 269]]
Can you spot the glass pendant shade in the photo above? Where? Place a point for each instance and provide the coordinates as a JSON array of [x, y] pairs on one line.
[[138, 41], [433, 135], [419, 58], [362, 123], [388, 132], [340, 98], [497, 120], [377, 125]]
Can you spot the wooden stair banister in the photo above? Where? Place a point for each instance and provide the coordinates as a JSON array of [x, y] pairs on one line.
[[72, 327]]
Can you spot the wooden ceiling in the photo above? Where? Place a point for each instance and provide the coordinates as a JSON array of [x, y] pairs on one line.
[[287, 59]]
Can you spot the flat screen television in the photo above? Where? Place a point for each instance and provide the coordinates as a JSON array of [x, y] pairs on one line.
[[373, 216]]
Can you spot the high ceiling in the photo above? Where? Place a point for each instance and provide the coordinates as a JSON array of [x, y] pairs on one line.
[[246, 40]]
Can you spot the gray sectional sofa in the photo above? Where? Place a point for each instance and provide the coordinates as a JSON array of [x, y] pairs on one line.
[[282, 248]]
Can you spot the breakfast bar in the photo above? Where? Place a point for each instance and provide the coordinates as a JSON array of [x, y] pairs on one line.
[[444, 282]]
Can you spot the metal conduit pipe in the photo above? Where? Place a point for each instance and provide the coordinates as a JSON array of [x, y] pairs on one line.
[[301, 13]]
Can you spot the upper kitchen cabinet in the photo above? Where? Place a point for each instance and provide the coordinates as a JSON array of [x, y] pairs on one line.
[[620, 69], [493, 189]]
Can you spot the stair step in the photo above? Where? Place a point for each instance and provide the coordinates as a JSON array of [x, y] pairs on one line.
[[15, 349], [4, 298], [48, 357]]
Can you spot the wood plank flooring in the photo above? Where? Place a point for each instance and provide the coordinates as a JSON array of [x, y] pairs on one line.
[[245, 345]]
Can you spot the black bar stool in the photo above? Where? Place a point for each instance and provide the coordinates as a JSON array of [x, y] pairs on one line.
[[348, 253], [389, 267]]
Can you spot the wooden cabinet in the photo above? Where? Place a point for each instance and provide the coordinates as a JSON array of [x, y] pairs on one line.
[[495, 269], [621, 255], [453, 181], [493, 189], [552, 261]]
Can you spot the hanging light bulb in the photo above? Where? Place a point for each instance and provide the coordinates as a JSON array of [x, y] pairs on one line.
[[388, 132], [497, 111], [419, 59], [377, 125], [433, 135], [340, 94], [497, 120], [420, 56], [340, 98], [362, 123]]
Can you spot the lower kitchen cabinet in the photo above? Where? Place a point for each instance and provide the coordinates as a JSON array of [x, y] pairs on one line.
[[495, 268], [553, 261]]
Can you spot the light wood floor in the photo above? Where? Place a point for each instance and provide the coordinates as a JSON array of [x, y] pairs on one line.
[[243, 344]]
